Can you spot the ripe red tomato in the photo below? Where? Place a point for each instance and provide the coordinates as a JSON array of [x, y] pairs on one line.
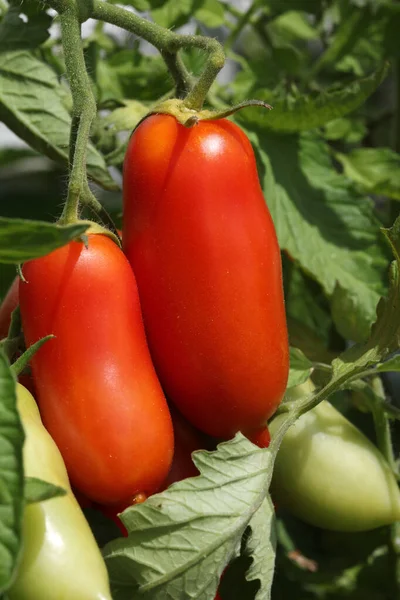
[[187, 440], [260, 437], [203, 247], [98, 393], [9, 303]]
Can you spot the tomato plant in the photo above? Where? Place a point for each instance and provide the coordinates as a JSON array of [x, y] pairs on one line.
[[266, 246], [86, 296], [201, 241]]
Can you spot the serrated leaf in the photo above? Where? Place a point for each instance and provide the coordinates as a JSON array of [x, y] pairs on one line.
[[37, 490], [385, 333], [11, 475], [300, 368], [294, 114], [180, 540], [23, 32], [32, 105], [320, 220], [376, 170], [261, 546], [22, 240]]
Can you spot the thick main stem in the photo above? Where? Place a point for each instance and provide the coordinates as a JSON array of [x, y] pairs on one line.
[[83, 111]]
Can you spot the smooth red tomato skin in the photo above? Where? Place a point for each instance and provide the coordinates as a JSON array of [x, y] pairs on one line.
[[98, 393], [203, 247], [187, 440], [260, 437], [10, 302]]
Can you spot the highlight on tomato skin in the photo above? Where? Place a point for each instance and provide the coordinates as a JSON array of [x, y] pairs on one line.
[[202, 244], [112, 425]]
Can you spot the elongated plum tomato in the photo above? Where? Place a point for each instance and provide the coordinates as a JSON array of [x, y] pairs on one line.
[[60, 557], [202, 244], [98, 393], [329, 474]]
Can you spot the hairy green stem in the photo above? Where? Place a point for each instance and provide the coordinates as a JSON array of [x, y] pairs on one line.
[[169, 43], [382, 428], [183, 80], [384, 440], [83, 111]]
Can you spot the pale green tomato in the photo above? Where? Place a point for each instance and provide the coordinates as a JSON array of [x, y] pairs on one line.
[[60, 559], [330, 475]]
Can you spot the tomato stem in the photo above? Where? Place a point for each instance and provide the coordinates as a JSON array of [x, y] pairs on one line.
[[169, 43], [83, 110]]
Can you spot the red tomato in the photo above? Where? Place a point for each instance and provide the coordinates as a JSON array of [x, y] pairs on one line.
[[98, 393], [187, 440], [10, 302], [203, 247], [260, 437]]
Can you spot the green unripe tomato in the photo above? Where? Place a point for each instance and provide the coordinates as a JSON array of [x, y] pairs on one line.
[[60, 559], [330, 475]]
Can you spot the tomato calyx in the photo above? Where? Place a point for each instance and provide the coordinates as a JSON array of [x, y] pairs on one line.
[[190, 117], [96, 228]]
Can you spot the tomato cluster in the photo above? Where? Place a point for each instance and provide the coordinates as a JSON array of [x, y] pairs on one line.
[[202, 247], [192, 310], [177, 340]]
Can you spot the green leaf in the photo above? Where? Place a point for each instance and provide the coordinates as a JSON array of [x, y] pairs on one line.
[[128, 74], [27, 32], [180, 540], [22, 240], [376, 170], [391, 365], [37, 490], [350, 30], [300, 368], [350, 320], [306, 302], [211, 13], [125, 118], [306, 112], [11, 476], [385, 333], [294, 24], [32, 105], [261, 546], [174, 14], [320, 220], [351, 130]]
